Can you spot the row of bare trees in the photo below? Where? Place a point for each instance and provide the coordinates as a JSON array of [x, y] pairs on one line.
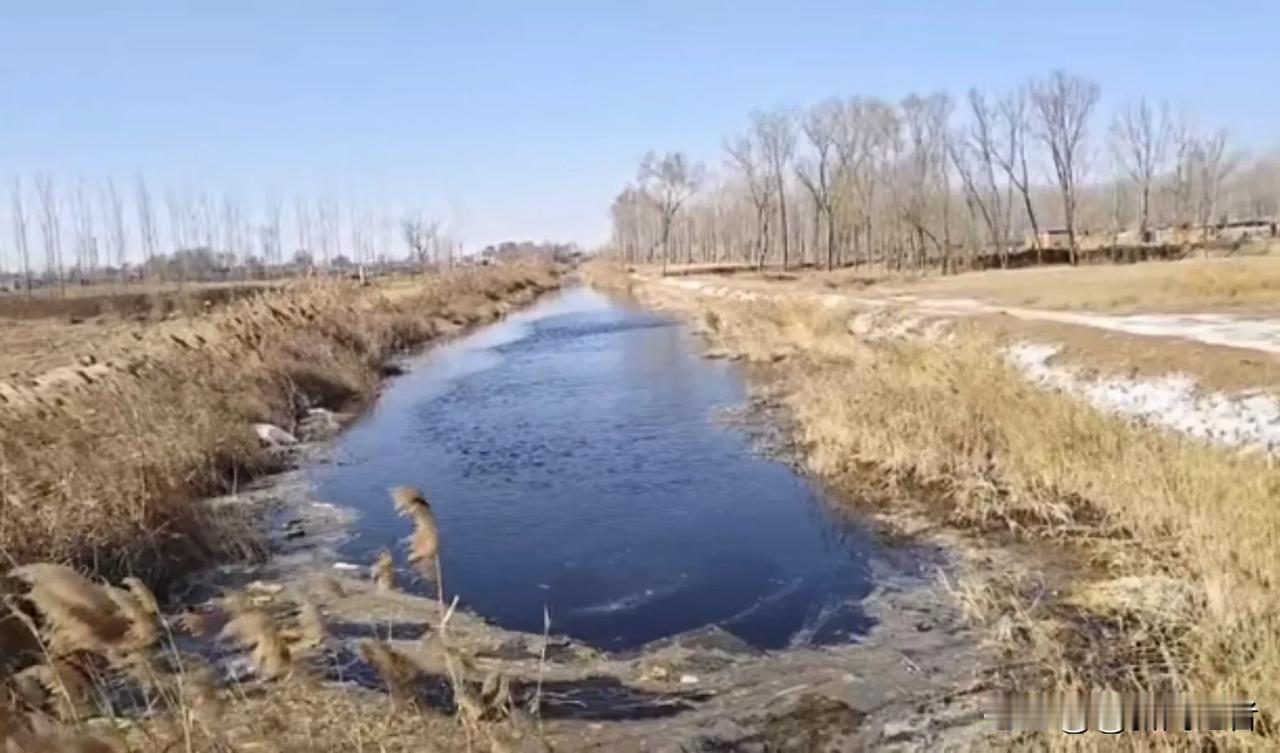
[[75, 233], [932, 180]]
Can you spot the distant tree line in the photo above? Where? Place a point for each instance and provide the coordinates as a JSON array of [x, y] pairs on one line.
[[932, 180], [76, 233], [515, 249]]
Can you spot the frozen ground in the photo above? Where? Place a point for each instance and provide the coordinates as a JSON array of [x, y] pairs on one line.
[[1173, 401]]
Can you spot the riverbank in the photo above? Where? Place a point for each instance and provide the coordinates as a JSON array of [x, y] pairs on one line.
[[104, 458], [306, 651], [1143, 558]]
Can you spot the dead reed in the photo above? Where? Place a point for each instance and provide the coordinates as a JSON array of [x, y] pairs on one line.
[[424, 543], [383, 571]]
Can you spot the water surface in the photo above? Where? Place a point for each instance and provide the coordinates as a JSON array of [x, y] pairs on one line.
[[574, 459]]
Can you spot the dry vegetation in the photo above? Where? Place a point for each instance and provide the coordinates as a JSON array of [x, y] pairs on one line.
[[106, 474], [1162, 567], [1242, 283], [105, 670], [100, 462]]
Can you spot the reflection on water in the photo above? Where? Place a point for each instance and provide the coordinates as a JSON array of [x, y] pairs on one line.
[[572, 460]]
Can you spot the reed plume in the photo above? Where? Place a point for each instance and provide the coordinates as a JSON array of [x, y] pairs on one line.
[[254, 628], [56, 680], [144, 596], [397, 671], [384, 571], [424, 544], [193, 623], [311, 625], [79, 615], [143, 631]]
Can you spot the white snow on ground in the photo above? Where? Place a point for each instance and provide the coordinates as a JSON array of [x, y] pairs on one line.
[[1174, 401]]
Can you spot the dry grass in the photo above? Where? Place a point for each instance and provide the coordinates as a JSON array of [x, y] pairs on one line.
[[1171, 542], [1248, 281], [1245, 283], [102, 469]]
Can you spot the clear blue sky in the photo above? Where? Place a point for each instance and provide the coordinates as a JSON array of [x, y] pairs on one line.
[[522, 119]]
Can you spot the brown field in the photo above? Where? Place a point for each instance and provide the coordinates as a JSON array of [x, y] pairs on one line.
[[142, 301], [1245, 282], [108, 440], [1152, 559]]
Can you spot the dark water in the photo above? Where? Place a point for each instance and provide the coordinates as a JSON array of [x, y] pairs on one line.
[[572, 457]]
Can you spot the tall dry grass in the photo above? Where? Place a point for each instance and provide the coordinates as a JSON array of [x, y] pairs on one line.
[[1165, 560], [103, 471]]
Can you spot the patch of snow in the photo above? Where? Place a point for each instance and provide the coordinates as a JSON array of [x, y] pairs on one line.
[[273, 436], [1175, 401]]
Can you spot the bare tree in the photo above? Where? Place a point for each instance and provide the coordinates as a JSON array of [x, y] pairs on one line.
[[328, 222], [1064, 104], [1140, 141], [146, 221], [237, 234], [421, 235], [117, 234], [924, 202], [668, 181], [1014, 122], [50, 228], [269, 239], [20, 232], [821, 127], [977, 153], [303, 224], [744, 156], [82, 225], [204, 214], [181, 227], [775, 134], [1211, 165], [854, 185]]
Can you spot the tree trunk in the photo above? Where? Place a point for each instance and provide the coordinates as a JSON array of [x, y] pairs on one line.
[[782, 210], [831, 239]]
